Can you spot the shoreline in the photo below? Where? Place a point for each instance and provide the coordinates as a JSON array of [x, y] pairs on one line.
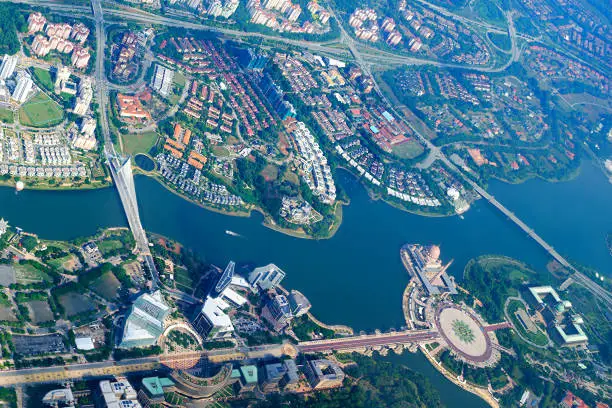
[[478, 391]]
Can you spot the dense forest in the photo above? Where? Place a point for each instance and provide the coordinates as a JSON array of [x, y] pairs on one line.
[[10, 22]]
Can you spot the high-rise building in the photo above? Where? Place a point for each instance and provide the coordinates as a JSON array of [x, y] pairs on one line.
[[162, 80], [9, 62], [277, 312], [23, 88], [322, 374], [41, 45], [266, 277], [80, 57], [145, 322], [79, 32], [211, 321], [36, 22], [62, 74], [83, 100], [88, 126]]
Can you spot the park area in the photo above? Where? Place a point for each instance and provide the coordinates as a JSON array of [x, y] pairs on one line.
[[75, 303], [134, 143], [183, 280], [28, 273], [68, 263], [408, 150], [40, 111], [106, 286], [40, 311], [6, 115]]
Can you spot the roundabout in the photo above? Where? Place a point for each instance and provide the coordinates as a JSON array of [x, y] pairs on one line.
[[464, 334]]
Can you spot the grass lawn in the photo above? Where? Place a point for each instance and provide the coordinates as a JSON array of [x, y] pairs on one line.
[[182, 279], [40, 111], [538, 337], [139, 142], [408, 150], [6, 115], [220, 151], [59, 263], [44, 78], [109, 245], [292, 177], [500, 40], [26, 274], [75, 303], [270, 172], [106, 286]]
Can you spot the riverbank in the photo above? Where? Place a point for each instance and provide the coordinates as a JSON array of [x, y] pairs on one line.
[[56, 187], [267, 219], [479, 391]]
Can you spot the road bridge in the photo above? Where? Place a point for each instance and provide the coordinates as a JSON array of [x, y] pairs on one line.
[[406, 337], [120, 167]]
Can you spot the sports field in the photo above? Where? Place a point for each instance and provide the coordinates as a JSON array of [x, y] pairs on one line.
[[40, 111]]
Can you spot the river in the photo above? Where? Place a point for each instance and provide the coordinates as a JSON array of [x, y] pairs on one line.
[[356, 277]]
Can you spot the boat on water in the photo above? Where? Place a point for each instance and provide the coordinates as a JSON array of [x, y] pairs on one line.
[[232, 233]]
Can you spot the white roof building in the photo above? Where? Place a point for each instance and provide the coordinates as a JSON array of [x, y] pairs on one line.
[[84, 343], [212, 322], [9, 62], [145, 322]]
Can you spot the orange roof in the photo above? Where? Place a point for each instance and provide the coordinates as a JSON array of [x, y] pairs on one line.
[[173, 151], [187, 137], [177, 131], [195, 163], [197, 156], [130, 106], [175, 144]]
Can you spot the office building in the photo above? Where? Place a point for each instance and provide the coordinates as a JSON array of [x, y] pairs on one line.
[[266, 277], [323, 374], [162, 80], [145, 321], [299, 303], [152, 392], [566, 326], [291, 378], [9, 62], [248, 378], [131, 108], [211, 321], [273, 373], [226, 277], [118, 394], [23, 88], [277, 312], [251, 59]]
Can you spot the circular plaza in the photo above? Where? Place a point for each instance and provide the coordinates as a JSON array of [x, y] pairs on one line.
[[463, 333]]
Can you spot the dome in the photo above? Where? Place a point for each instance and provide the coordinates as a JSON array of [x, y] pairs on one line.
[[434, 253]]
